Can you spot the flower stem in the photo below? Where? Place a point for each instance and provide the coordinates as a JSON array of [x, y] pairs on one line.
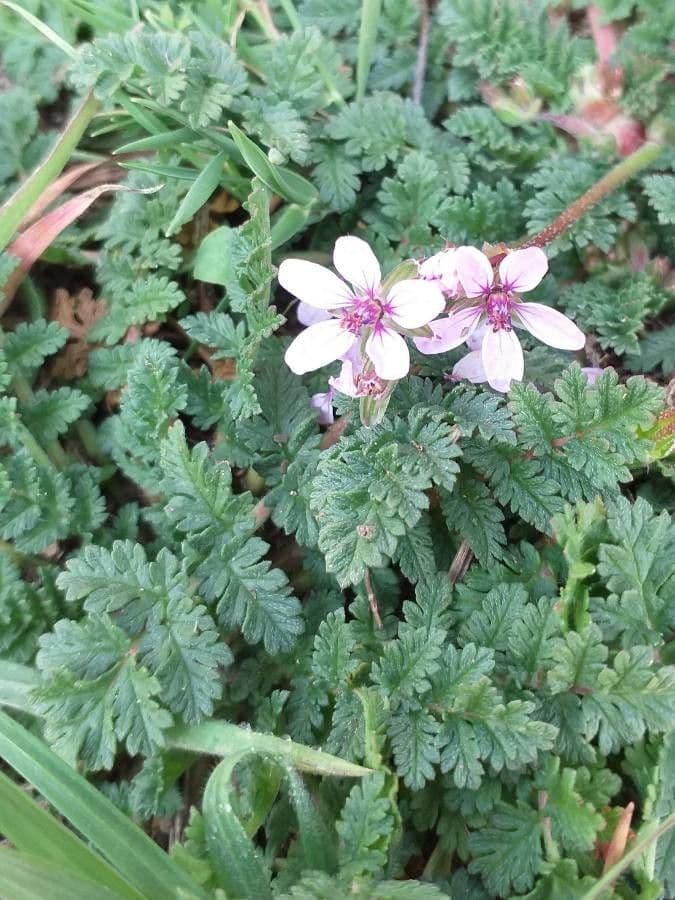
[[610, 182]]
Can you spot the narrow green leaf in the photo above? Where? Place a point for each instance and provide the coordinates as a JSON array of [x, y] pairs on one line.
[[222, 739], [182, 173], [147, 867], [33, 830], [25, 878], [238, 865], [289, 184], [370, 19], [318, 845], [16, 207], [290, 221], [159, 141], [204, 185], [43, 28], [16, 683]]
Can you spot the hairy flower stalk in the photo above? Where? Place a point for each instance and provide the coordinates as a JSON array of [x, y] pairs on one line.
[[634, 163]]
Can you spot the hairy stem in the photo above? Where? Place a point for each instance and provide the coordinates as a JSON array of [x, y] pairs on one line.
[[422, 53], [372, 600], [610, 182]]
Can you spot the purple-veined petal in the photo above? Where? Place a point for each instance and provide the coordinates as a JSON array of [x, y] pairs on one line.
[[414, 302], [474, 340], [474, 271], [389, 353], [323, 403], [357, 263], [522, 270], [310, 315], [450, 332], [471, 368], [344, 383], [313, 284], [550, 326], [317, 346], [502, 358]]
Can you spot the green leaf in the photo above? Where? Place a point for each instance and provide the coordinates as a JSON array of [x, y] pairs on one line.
[[200, 191], [365, 827], [217, 738], [33, 830], [290, 185], [145, 865], [238, 865], [251, 595], [471, 511], [24, 877], [507, 854], [575, 824], [50, 413], [332, 660], [27, 347], [661, 192], [414, 741]]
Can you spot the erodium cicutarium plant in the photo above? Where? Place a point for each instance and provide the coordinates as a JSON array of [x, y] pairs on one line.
[[337, 461]]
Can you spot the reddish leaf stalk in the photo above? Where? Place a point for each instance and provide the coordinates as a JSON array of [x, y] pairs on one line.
[[610, 182]]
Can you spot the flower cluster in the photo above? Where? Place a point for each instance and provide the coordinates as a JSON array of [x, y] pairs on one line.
[[362, 321]]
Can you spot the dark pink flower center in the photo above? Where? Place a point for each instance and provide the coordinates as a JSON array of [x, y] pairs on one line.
[[363, 312], [498, 307], [369, 384]]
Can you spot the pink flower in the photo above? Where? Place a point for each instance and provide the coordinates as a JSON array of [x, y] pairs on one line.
[[442, 269], [360, 308], [323, 403], [497, 304], [357, 379], [592, 374]]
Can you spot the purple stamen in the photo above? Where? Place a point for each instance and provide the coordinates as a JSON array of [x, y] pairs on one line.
[[498, 310]]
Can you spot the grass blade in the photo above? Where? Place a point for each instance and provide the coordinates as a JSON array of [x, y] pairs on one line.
[[204, 185], [16, 683], [33, 830], [16, 207], [239, 866], [223, 738], [44, 29], [147, 867], [25, 878]]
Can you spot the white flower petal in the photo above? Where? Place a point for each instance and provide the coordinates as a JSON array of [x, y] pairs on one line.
[[356, 262], [522, 270], [474, 271], [310, 315], [502, 358], [442, 267], [313, 284], [389, 353], [415, 302], [471, 368], [317, 346], [550, 326], [450, 332], [344, 383]]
